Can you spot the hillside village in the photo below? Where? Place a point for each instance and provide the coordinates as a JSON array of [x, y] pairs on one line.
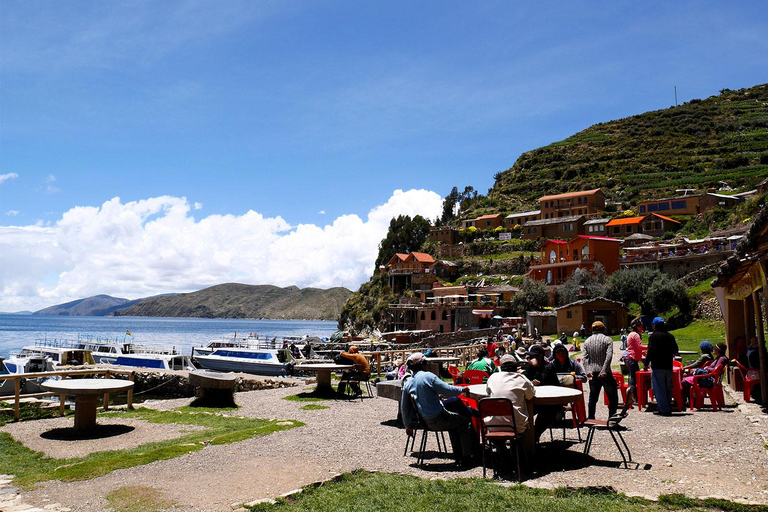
[[573, 231]]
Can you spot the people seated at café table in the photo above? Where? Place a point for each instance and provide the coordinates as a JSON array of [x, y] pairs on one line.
[[706, 348], [362, 370], [426, 389], [561, 363], [719, 360], [508, 383], [482, 363], [541, 373], [500, 352], [490, 347]]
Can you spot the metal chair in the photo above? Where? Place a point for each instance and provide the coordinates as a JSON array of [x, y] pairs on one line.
[[420, 424], [612, 426], [494, 435]]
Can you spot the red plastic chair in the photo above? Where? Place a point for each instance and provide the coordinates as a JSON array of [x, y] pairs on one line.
[[493, 435], [715, 393], [750, 376], [475, 376], [454, 373], [622, 387]]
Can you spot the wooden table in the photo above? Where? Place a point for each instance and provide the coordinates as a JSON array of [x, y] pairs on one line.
[[86, 391], [545, 395], [324, 371]]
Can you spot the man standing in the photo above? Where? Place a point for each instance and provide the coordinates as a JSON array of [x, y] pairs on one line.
[[662, 348], [597, 354], [424, 390]]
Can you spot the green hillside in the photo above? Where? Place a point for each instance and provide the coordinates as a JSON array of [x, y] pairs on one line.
[[696, 145], [234, 300]]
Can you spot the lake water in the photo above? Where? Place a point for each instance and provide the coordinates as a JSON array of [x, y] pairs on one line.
[[184, 333]]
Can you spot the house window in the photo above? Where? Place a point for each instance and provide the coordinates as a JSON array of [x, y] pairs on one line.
[[585, 252], [579, 201], [422, 315], [433, 316], [590, 229], [629, 229], [679, 205], [642, 208], [535, 230], [552, 257], [445, 315], [602, 228], [568, 315]]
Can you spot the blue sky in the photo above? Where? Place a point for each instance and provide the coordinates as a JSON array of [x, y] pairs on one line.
[[310, 112]]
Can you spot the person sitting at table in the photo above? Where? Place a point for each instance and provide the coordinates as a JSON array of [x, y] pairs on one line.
[[491, 347], [508, 383], [561, 363], [426, 389], [719, 360], [500, 352], [541, 373], [706, 349], [361, 371], [483, 363]]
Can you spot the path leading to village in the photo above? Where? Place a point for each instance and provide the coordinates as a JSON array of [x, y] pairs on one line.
[[702, 454]]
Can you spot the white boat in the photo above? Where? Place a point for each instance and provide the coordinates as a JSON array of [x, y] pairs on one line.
[[35, 359], [256, 360], [154, 360]]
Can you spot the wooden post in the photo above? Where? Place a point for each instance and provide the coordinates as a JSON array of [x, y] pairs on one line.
[[106, 395], [761, 341], [62, 400], [130, 391], [17, 392]]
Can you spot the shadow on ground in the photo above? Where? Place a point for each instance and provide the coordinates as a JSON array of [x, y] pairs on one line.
[[97, 432]]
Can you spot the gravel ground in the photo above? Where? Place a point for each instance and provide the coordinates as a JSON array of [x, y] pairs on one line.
[[702, 454]]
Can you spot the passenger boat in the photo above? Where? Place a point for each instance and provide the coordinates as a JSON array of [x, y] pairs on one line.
[[156, 361], [35, 359], [256, 360]]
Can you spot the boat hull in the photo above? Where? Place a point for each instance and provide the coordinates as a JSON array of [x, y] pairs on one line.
[[238, 365]]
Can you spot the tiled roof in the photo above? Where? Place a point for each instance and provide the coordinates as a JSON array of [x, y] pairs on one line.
[[487, 217], [556, 220], [523, 214], [599, 238], [663, 217], [569, 195], [623, 222], [596, 221], [422, 257]]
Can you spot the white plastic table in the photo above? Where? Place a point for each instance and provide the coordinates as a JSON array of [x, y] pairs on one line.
[[86, 391]]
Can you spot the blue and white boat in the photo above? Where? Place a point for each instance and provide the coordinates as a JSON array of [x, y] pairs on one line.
[[154, 360], [256, 360]]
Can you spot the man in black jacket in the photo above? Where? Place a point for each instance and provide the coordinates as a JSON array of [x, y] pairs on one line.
[[662, 349]]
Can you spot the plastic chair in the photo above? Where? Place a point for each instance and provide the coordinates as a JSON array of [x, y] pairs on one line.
[[577, 410], [417, 425], [357, 380], [621, 386], [475, 377], [454, 371], [715, 393], [750, 376], [495, 435], [612, 426]]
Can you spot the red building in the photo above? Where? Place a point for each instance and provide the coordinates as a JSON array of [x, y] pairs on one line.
[[559, 259]]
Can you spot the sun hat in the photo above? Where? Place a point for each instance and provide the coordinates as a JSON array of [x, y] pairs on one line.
[[520, 351], [507, 360], [722, 348], [598, 326], [415, 358], [536, 350]]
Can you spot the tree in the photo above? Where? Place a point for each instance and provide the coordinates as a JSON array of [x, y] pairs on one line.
[[533, 296], [405, 235], [450, 204], [593, 280], [651, 289]]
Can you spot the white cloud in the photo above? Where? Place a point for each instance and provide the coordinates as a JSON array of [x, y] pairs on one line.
[[8, 176], [141, 248], [321, 212], [198, 206], [12, 213], [49, 181]]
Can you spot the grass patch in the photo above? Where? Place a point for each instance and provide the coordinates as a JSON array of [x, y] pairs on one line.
[[313, 407], [137, 498], [689, 337], [306, 396], [30, 467], [372, 492], [29, 411]]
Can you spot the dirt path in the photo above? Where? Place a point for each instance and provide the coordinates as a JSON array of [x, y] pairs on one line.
[[702, 454]]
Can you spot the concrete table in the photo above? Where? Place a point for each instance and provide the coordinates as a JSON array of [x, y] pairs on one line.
[[324, 371], [86, 391]]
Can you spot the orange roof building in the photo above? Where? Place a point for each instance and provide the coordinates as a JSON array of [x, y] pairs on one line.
[[586, 202]]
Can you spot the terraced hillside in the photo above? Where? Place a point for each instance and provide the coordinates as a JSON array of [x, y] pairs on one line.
[[696, 145]]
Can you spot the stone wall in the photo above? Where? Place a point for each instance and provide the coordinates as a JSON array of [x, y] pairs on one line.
[[682, 266], [454, 338]]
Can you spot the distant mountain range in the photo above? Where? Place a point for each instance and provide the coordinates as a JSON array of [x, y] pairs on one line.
[[230, 300]]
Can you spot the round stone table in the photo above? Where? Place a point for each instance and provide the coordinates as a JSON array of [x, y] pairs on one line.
[[86, 391], [323, 374]]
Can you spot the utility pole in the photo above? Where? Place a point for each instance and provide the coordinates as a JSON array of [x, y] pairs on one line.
[[675, 95]]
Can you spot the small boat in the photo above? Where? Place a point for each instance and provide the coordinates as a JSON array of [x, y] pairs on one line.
[[35, 359], [256, 360]]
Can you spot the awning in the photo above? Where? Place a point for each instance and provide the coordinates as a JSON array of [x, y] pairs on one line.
[[483, 312]]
